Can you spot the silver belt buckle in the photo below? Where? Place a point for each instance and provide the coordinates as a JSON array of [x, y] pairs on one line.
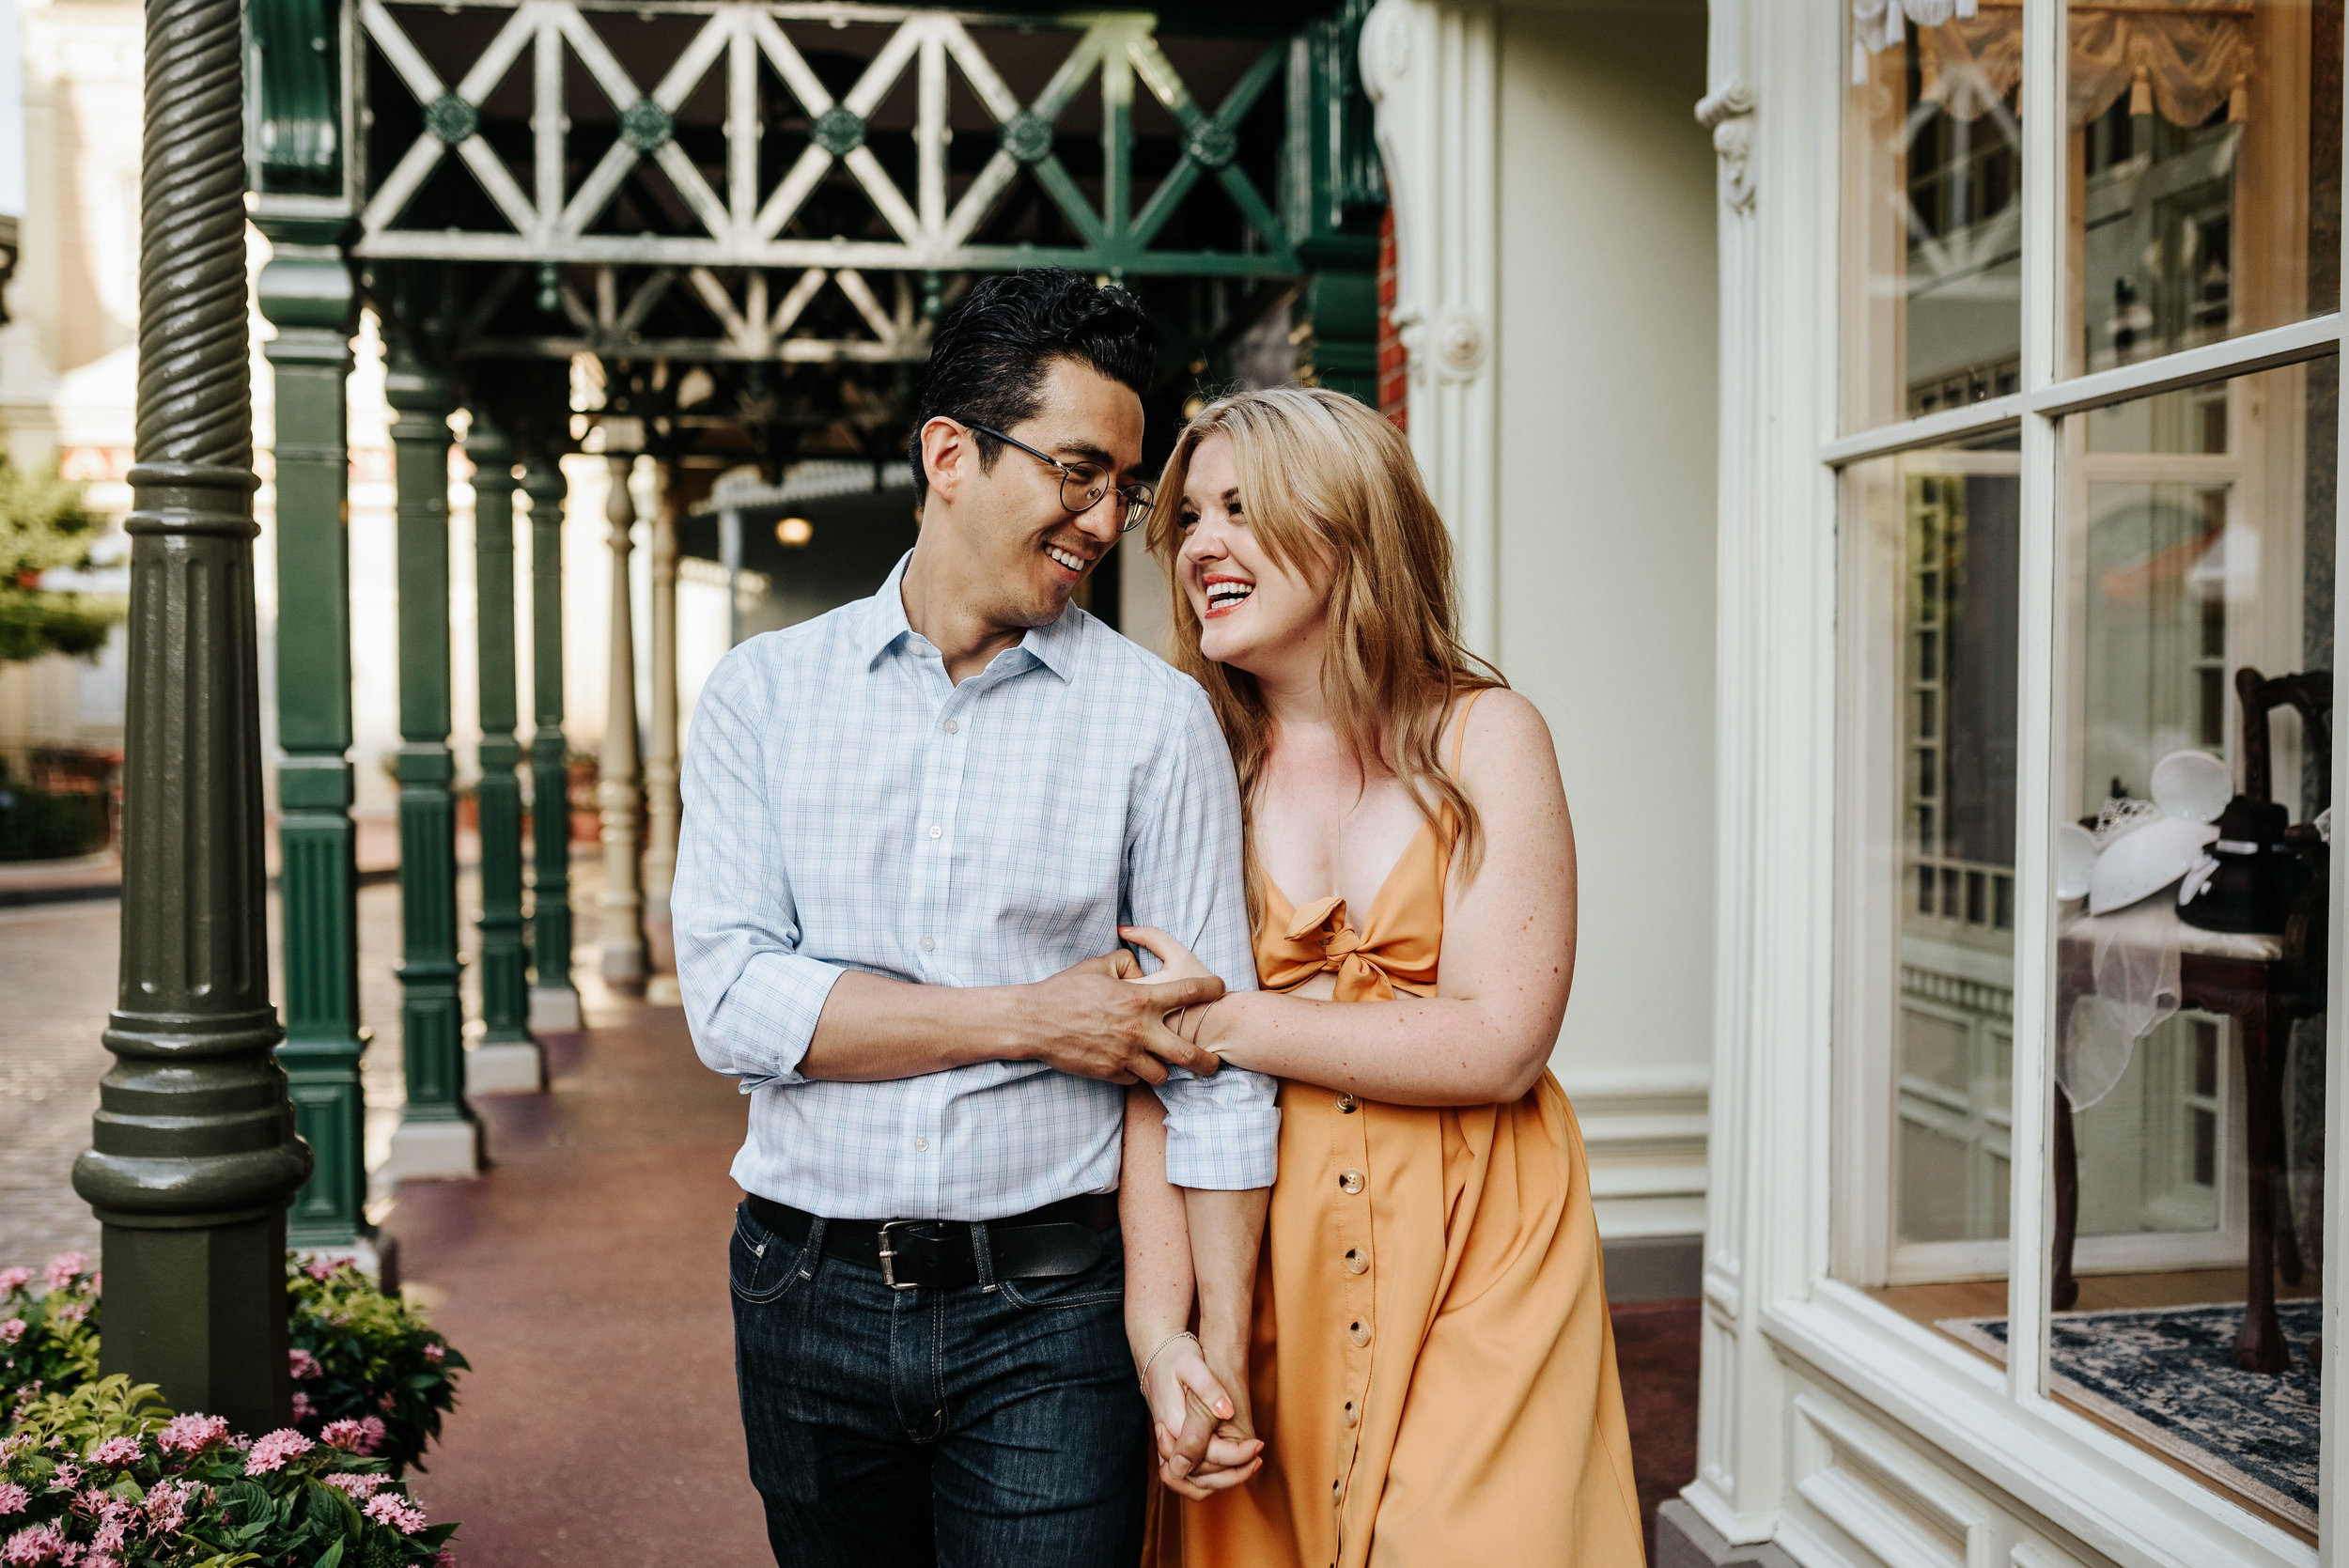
[[889, 1256]]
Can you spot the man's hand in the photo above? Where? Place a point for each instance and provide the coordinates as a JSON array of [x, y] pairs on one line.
[[1088, 1022], [1206, 1438]]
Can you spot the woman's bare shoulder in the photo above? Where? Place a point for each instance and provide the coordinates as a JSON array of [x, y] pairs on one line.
[[1505, 729]]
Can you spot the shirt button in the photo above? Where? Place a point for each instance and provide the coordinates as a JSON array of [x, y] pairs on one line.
[[1355, 1262], [950, 726], [1358, 1332], [936, 831], [929, 945], [921, 1145], [1349, 1181], [1349, 1104]]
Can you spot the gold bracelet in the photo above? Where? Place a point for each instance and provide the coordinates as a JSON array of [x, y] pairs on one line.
[[1152, 1359]]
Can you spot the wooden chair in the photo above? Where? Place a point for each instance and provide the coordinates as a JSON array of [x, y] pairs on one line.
[[2263, 994]]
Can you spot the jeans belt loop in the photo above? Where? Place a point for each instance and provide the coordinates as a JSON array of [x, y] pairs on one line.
[[812, 1249], [983, 1253]]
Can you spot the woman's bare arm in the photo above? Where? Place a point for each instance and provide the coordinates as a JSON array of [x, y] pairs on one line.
[[1204, 1437], [1508, 953]]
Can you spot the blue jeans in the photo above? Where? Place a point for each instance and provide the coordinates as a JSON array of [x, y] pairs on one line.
[[995, 1426]]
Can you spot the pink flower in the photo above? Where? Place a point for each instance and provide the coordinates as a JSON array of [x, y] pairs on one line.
[[389, 1402], [303, 1408], [348, 1435], [63, 1268], [434, 1353], [271, 1453], [65, 1478], [30, 1546], [93, 1502], [386, 1508], [322, 1269], [70, 1311], [167, 1504], [193, 1434], [15, 1278], [359, 1487], [110, 1536], [12, 1330], [370, 1434], [100, 1559], [115, 1452], [13, 1499], [304, 1365], [446, 1558]]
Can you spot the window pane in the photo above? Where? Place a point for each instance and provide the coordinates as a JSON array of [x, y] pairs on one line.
[[2205, 171], [2198, 528], [1933, 242], [1931, 553]]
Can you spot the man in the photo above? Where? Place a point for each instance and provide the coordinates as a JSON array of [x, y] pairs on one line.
[[912, 828]]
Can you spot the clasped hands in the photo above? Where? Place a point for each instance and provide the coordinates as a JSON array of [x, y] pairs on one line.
[[1205, 1436]]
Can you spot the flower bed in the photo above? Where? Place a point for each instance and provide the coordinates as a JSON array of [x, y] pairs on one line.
[[96, 1473]]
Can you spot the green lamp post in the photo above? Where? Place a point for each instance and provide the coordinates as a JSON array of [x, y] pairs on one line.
[[194, 1155]]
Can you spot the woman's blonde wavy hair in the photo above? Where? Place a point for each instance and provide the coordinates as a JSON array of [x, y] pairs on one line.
[[1328, 486]]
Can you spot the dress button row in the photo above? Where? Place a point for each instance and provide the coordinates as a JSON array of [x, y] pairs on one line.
[[1349, 1181], [1355, 1262], [1358, 1332], [1347, 1104], [1352, 1414]]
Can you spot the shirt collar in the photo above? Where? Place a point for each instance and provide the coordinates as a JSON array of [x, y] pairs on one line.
[[884, 628]]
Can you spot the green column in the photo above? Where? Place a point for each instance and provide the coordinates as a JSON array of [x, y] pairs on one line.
[[437, 1136], [306, 293], [504, 1058], [194, 1155], [553, 998]]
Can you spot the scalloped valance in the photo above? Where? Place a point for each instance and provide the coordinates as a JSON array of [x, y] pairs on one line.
[[2182, 59]]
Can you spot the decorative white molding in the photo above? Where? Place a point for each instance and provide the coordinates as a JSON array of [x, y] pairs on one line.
[[1433, 72], [1727, 112], [1644, 1132]]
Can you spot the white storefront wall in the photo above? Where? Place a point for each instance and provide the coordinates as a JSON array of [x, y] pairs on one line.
[[1553, 222], [1840, 1431]]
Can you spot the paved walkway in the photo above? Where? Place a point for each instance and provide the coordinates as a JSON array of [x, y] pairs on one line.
[[584, 1275]]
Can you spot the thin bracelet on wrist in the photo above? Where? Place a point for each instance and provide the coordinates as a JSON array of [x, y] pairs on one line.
[[1151, 1360]]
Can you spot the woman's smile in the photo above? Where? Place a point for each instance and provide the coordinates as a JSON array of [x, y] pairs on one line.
[[1225, 593]]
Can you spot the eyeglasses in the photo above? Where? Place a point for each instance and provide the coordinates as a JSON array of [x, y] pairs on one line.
[[1083, 485]]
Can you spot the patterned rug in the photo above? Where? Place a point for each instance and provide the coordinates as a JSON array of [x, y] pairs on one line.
[[2164, 1377]]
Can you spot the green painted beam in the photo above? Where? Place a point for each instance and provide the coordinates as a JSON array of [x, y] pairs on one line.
[[194, 1154], [307, 294]]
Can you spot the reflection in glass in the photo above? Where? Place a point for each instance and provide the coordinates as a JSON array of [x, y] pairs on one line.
[[1933, 164], [2203, 145], [2190, 991], [1938, 538]]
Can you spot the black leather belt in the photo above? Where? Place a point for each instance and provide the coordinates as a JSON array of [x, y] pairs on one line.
[[1049, 1243]]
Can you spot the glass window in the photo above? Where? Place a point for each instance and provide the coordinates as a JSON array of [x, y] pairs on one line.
[[2195, 642], [2204, 171], [1934, 226], [1930, 582]]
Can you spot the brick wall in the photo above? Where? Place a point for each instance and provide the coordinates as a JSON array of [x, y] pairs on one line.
[[1393, 386]]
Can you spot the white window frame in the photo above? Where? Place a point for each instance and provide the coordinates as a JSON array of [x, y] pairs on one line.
[[1783, 1129]]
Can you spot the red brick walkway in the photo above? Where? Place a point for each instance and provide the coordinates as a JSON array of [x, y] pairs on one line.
[[585, 1277]]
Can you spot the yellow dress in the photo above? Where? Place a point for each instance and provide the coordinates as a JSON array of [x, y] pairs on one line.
[[1432, 1366]]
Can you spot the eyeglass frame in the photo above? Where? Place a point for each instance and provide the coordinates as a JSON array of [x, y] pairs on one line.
[[1139, 498]]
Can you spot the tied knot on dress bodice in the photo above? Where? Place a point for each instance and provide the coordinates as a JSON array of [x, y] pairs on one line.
[[1321, 940]]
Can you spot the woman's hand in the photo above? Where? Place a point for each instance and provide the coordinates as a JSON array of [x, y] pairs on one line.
[[1192, 1412], [1175, 962]]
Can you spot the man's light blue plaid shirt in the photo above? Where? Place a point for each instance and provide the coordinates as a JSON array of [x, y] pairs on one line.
[[847, 806]]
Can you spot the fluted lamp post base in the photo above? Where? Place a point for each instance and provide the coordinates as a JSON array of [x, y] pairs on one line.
[[503, 1068], [435, 1151], [554, 1010]]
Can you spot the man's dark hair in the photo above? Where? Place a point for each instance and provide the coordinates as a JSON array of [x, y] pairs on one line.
[[989, 359]]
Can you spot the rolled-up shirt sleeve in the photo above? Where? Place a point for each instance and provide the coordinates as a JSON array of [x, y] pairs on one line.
[[751, 996], [1184, 876]]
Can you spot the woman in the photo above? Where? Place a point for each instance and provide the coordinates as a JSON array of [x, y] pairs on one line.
[[1429, 1361]]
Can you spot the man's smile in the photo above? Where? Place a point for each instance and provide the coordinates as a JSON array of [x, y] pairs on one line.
[[1067, 560]]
